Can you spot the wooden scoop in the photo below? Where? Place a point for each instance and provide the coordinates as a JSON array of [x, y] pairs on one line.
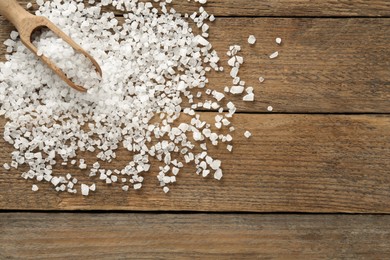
[[27, 23]]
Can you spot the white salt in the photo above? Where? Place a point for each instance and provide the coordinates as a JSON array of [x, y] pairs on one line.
[[274, 55], [261, 79], [236, 89], [252, 39], [92, 187], [6, 166], [249, 97], [84, 189], [151, 64], [137, 186], [218, 174]]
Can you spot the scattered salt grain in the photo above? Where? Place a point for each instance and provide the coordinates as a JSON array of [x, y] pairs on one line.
[[6, 166], [84, 189], [247, 134], [14, 35], [249, 97], [237, 89], [34, 188], [14, 164], [137, 186], [218, 174], [166, 189], [278, 40], [261, 79], [274, 55], [92, 187], [270, 108], [252, 39], [55, 181]]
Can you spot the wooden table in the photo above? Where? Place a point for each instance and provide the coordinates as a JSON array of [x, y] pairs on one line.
[[325, 150]]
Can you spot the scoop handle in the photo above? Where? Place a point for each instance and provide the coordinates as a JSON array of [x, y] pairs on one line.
[[14, 13]]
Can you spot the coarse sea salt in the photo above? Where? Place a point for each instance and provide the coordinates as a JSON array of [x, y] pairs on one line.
[[274, 55], [252, 39], [150, 63], [34, 188]]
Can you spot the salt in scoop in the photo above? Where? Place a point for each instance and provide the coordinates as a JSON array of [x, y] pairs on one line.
[[26, 24]]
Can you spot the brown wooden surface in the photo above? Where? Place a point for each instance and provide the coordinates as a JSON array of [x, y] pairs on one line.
[[273, 8], [335, 59], [197, 236], [325, 65], [305, 163]]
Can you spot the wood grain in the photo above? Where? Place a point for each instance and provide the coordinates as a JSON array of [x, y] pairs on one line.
[[293, 163], [256, 8], [194, 236], [325, 65]]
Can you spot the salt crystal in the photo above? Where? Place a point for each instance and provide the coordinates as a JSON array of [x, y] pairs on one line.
[[34, 188], [14, 35], [274, 55], [216, 164], [232, 61], [218, 95], [261, 79], [175, 170], [270, 108], [249, 97], [202, 41], [84, 189], [137, 186], [247, 134], [278, 40], [55, 181], [92, 187], [234, 72], [252, 39], [236, 89], [6, 166], [218, 174]]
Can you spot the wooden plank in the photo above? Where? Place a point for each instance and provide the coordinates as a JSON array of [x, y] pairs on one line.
[[325, 65], [320, 8], [194, 236], [293, 163]]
